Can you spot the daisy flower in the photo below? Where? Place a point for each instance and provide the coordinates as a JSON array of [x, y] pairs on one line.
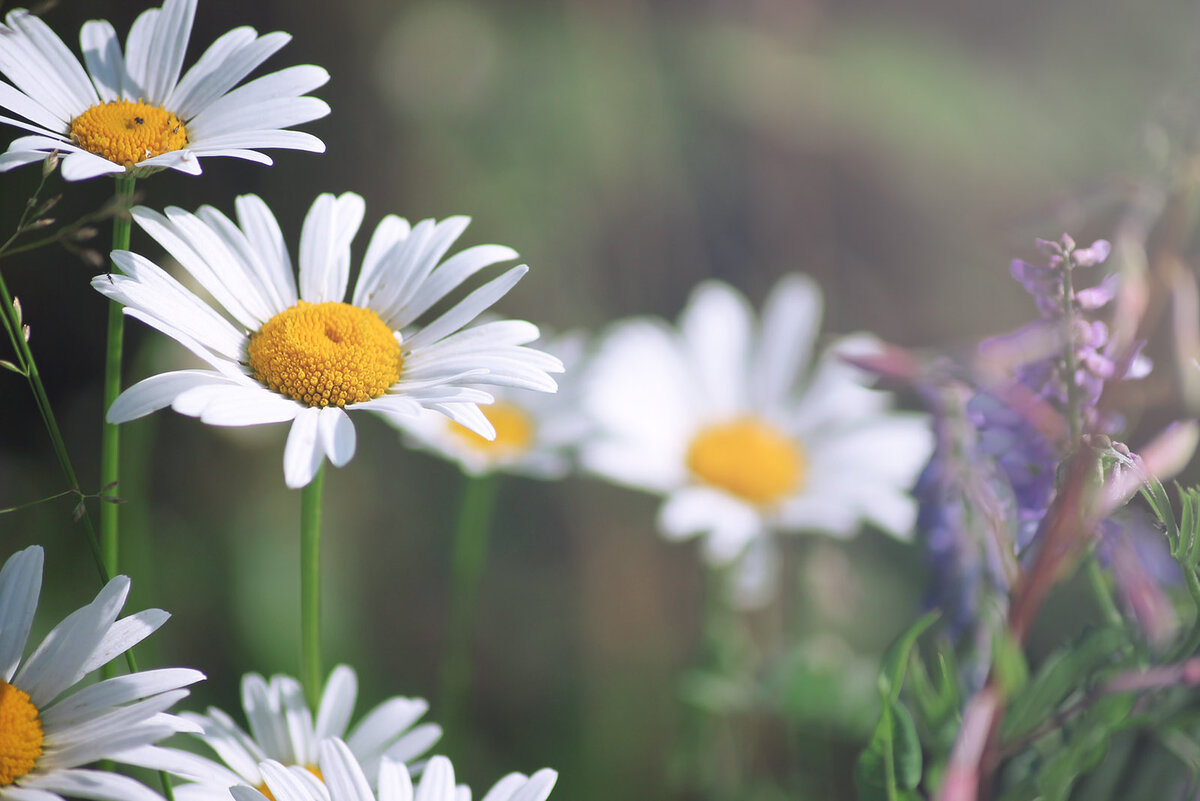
[[724, 417], [342, 778], [282, 729], [47, 729], [535, 432], [307, 357], [132, 112]]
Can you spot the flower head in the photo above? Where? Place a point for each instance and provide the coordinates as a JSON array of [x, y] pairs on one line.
[[535, 432], [342, 778], [282, 729], [302, 354], [48, 731], [725, 418], [132, 112]]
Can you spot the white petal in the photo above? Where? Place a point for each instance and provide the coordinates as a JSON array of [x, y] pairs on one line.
[[445, 279], [437, 782], [159, 391], [302, 455], [285, 785], [264, 713], [166, 48], [100, 785], [337, 703], [329, 227], [80, 166], [123, 635], [467, 309], [338, 439], [790, 320], [390, 232], [227, 61], [20, 587], [17, 101], [342, 773], [414, 743], [394, 782], [57, 662], [716, 333], [266, 239], [383, 724], [95, 699], [102, 54]]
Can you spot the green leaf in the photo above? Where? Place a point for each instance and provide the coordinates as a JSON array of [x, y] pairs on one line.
[[1008, 660], [906, 749], [895, 659], [1063, 672]]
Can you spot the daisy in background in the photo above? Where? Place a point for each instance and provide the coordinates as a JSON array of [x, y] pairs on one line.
[[342, 778], [282, 729], [47, 731], [535, 432], [132, 112], [727, 418], [301, 354]]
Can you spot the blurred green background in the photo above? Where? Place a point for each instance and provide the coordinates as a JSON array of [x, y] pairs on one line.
[[900, 153]]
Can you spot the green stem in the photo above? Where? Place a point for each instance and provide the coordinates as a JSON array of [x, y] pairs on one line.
[[29, 366], [467, 566], [110, 440], [310, 589]]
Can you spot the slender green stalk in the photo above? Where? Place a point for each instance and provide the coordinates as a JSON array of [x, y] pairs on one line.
[[110, 440], [29, 368], [469, 559], [1102, 591], [310, 588]]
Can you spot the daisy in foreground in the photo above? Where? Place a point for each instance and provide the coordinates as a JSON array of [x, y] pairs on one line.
[[282, 729], [724, 418], [306, 356], [341, 778], [46, 732], [535, 432], [132, 112]]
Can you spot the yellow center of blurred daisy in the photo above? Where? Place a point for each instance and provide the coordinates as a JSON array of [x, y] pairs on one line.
[[126, 133], [326, 354], [748, 458], [20, 734], [313, 769], [514, 431]]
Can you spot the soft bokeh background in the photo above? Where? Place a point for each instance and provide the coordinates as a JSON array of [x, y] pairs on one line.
[[901, 155]]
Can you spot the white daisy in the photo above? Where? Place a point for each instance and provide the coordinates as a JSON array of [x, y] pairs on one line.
[[48, 732], [307, 357], [342, 778], [535, 432], [723, 417], [282, 729], [132, 112]]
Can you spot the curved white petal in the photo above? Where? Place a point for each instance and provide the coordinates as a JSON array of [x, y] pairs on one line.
[[302, 455]]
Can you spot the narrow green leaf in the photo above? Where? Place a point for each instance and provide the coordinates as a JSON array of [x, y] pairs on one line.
[[895, 659]]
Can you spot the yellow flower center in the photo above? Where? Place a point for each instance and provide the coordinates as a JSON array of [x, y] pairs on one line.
[[326, 354], [313, 769], [514, 431], [126, 133], [20, 734], [748, 458]]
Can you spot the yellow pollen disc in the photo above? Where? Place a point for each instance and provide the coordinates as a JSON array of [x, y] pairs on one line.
[[750, 459], [326, 354], [126, 133], [20, 734], [514, 431], [313, 769]]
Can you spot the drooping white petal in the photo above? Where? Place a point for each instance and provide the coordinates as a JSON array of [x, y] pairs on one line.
[[338, 438], [80, 165], [302, 455]]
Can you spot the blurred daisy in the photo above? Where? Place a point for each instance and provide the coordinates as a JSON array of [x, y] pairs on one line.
[[307, 357], [535, 432], [46, 732], [133, 112], [342, 778], [282, 729], [724, 418]]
